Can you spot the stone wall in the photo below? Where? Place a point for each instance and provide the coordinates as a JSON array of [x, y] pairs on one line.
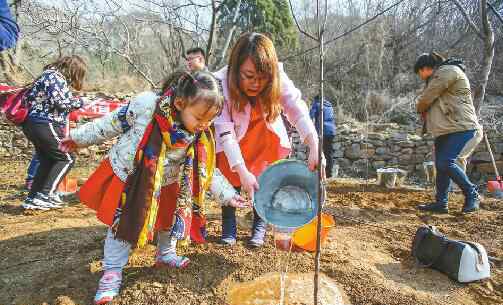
[[15, 146], [359, 151]]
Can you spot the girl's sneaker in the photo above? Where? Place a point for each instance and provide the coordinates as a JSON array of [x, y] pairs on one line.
[[171, 260], [45, 201], [108, 287], [28, 204], [56, 199]]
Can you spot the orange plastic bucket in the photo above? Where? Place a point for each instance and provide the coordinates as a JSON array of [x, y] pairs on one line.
[[305, 236], [67, 185]]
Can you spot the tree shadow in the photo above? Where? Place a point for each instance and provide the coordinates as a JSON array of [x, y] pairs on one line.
[[39, 267], [65, 263]]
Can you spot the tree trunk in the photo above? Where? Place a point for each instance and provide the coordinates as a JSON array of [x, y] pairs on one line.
[[221, 57], [213, 29], [487, 58]]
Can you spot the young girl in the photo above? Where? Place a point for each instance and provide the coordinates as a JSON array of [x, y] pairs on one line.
[[250, 132], [50, 101], [156, 175]]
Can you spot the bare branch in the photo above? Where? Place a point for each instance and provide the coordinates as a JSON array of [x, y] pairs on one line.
[[298, 25], [468, 19]]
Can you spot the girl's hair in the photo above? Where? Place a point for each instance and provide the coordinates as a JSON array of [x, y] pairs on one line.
[[73, 68], [260, 49], [431, 60], [194, 87]]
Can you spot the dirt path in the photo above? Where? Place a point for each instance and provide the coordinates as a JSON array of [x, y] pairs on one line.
[[54, 257]]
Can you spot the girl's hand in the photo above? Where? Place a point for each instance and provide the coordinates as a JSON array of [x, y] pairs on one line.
[[312, 159], [239, 202], [67, 145], [249, 183]]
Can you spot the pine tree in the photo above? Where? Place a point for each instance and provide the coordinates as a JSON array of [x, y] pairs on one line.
[[266, 16]]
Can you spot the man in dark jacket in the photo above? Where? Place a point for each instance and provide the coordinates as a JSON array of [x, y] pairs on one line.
[[8, 27], [328, 129]]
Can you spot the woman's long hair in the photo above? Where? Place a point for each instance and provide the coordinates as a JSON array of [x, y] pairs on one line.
[[73, 68], [260, 49]]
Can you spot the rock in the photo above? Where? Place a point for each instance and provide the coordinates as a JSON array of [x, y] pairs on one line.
[[338, 154], [423, 150], [376, 136], [399, 136], [406, 144], [378, 143], [368, 153], [378, 164], [407, 151], [404, 158], [484, 156], [498, 148], [354, 152], [64, 300], [381, 150], [414, 137], [419, 157], [343, 162]]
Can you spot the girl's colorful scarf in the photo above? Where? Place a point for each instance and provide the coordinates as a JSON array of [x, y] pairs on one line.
[[140, 198]]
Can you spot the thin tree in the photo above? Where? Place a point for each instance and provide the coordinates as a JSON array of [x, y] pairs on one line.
[[485, 33]]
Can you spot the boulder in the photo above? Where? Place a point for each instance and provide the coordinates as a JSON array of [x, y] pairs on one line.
[[354, 152], [484, 156]]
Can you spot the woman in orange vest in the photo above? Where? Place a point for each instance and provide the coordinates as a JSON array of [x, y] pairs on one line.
[[250, 133]]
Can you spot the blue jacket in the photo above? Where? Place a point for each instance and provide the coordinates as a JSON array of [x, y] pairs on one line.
[[8, 27], [328, 117]]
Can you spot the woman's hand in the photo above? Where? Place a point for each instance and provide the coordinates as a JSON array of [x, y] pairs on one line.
[[239, 202], [67, 145], [312, 159], [249, 183]]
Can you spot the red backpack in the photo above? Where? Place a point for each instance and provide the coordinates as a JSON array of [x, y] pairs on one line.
[[12, 104]]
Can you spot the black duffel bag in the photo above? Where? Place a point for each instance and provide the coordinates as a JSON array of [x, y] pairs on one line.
[[460, 260]]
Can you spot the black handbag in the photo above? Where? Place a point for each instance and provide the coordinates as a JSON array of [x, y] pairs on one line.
[[461, 260]]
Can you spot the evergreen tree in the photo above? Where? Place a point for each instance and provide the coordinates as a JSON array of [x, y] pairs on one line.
[[265, 16]]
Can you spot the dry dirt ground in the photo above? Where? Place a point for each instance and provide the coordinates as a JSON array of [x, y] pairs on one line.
[[54, 257]]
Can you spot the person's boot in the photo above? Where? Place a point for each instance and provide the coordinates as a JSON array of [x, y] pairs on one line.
[[471, 204], [258, 231], [434, 207], [229, 226]]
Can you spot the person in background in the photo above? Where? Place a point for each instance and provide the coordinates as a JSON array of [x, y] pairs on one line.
[[447, 108], [250, 133], [50, 101], [31, 171], [328, 129], [196, 60], [9, 30]]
